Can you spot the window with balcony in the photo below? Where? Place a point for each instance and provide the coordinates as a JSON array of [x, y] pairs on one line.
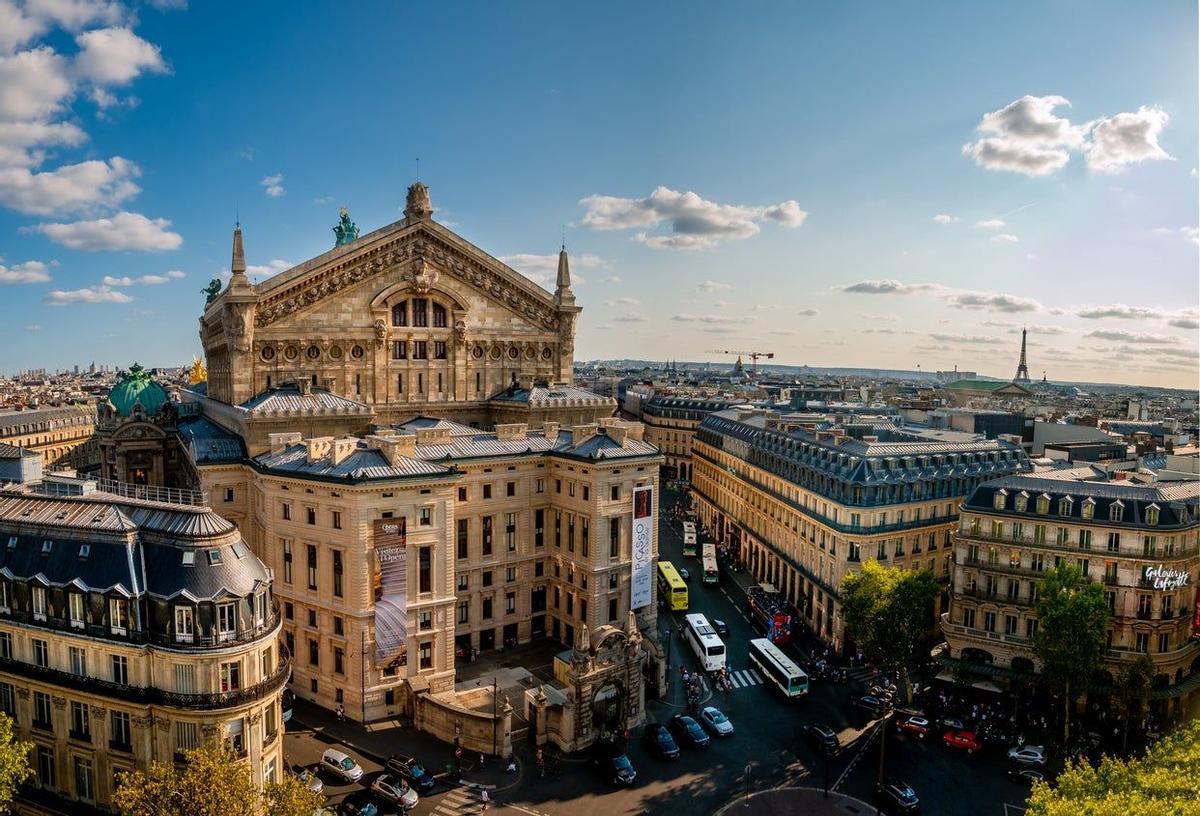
[[77, 658], [968, 617], [185, 625], [120, 734], [226, 621], [1144, 607], [1149, 546], [41, 653], [75, 608], [425, 653], [80, 724], [85, 778], [46, 766], [231, 675], [1085, 539], [1114, 542], [42, 714], [989, 621], [38, 599], [1141, 642]]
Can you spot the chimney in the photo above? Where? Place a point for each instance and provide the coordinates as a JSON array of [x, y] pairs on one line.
[[318, 448], [515, 430], [582, 433], [393, 447], [282, 441], [619, 433], [433, 436], [342, 449], [550, 429]]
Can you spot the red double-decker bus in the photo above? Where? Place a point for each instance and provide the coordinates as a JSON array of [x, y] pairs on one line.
[[770, 612]]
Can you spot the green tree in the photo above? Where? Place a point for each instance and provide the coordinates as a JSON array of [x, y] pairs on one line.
[[1133, 689], [1072, 618], [889, 613], [1163, 782], [212, 782], [14, 762]]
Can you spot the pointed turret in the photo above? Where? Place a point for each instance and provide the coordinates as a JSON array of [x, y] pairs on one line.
[[563, 295], [238, 265]]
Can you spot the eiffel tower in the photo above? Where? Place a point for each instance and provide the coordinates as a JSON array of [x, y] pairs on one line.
[[1022, 368]]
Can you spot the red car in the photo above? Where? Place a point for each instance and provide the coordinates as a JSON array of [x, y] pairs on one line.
[[963, 740], [914, 725]]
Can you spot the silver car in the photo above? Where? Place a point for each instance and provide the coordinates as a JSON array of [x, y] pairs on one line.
[[715, 722], [1027, 754], [396, 790], [308, 777]]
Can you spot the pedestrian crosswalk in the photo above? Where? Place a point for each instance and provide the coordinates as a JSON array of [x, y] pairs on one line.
[[745, 678], [458, 802]]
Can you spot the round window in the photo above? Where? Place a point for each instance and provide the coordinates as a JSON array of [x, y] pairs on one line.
[[313, 352], [513, 353], [336, 352], [267, 353], [291, 352], [477, 352], [357, 352], [547, 353]]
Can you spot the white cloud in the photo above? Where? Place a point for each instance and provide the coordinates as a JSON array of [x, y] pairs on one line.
[[16, 27], [34, 85], [1030, 256], [685, 317], [623, 301], [27, 272], [273, 185], [782, 332], [144, 280], [764, 307], [943, 218], [808, 313], [989, 223], [994, 301], [69, 188], [692, 222], [17, 140], [613, 279], [260, 272], [964, 339], [890, 286], [32, 327], [74, 15], [713, 286], [89, 294], [115, 56], [1125, 139], [632, 317], [1140, 338], [543, 269], [125, 230], [1026, 137], [1184, 323], [1016, 327], [1120, 311], [1005, 238]]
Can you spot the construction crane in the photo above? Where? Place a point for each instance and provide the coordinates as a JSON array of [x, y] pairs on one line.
[[753, 355]]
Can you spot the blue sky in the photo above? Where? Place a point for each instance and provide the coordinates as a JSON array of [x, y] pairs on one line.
[[804, 154]]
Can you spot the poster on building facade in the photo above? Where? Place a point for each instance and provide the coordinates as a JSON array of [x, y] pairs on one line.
[[643, 546], [391, 584]]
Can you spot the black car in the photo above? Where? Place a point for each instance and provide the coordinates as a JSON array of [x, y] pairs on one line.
[[660, 742], [687, 730], [874, 706], [822, 737], [720, 628], [613, 764], [1025, 776], [409, 768], [897, 797]]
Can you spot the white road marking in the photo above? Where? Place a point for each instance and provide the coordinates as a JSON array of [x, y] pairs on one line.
[[756, 675], [854, 761], [1013, 810]]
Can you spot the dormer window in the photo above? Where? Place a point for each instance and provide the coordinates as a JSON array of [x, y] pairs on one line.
[[1043, 504], [118, 616], [85, 550], [999, 499], [189, 558], [185, 625], [12, 542], [214, 557], [1064, 505], [1088, 510], [1022, 502], [1116, 511], [1152, 514], [226, 621], [47, 546], [38, 597]]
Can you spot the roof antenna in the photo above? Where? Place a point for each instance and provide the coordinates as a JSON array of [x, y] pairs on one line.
[[418, 168], [237, 215], [564, 237]]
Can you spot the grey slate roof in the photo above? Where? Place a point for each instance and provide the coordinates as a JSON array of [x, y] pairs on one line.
[[287, 399], [1178, 502], [209, 443], [363, 463], [425, 423], [11, 421], [481, 444], [8, 451], [544, 396]]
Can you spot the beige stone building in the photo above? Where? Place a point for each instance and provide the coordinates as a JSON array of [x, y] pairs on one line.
[[391, 426], [804, 503], [64, 436], [1139, 540], [131, 630], [671, 424]]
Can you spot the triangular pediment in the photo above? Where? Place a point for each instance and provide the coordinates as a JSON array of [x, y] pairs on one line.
[[417, 247]]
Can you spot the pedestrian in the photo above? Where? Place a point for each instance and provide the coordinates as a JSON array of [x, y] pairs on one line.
[[512, 765], [341, 713], [481, 760], [484, 800]]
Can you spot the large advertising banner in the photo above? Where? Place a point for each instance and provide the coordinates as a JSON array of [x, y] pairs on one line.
[[643, 546], [391, 584]]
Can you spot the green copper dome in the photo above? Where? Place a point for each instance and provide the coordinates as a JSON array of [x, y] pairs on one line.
[[137, 386]]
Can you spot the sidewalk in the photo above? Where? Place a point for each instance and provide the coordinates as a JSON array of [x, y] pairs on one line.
[[789, 801], [380, 740]]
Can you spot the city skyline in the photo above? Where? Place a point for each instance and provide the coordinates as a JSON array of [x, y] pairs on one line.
[[867, 217]]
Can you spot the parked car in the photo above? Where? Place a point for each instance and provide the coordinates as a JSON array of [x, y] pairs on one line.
[[953, 723], [1027, 755], [822, 736], [1026, 776], [341, 765], [687, 730], [684, 574], [897, 796], [309, 779], [660, 742], [914, 725], [720, 628], [962, 740], [409, 768], [358, 808], [396, 790], [715, 722], [614, 765], [874, 706]]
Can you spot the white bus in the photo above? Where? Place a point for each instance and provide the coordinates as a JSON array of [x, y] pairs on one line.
[[704, 641], [708, 560], [689, 538], [777, 668]]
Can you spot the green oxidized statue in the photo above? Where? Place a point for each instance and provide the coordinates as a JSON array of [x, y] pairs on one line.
[[212, 290], [346, 231]]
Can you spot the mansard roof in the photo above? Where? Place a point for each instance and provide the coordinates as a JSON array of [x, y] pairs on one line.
[[290, 399], [363, 463], [1178, 502], [552, 396]]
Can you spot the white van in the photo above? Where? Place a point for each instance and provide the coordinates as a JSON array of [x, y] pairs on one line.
[[341, 765]]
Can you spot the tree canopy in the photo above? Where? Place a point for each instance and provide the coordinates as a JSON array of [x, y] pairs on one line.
[[889, 613], [1163, 782], [14, 762], [211, 783]]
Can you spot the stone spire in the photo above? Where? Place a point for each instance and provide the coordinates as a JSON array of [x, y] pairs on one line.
[[238, 265], [563, 295], [418, 206]]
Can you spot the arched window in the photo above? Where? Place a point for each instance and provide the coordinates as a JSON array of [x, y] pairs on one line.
[[420, 314], [400, 314], [439, 316], [1116, 511]]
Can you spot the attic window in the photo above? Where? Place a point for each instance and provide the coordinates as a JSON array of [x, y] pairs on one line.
[[239, 550], [85, 550], [12, 542], [189, 558], [47, 545], [97, 519], [214, 557]]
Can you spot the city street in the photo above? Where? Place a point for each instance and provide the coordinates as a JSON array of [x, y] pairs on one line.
[[766, 751]]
